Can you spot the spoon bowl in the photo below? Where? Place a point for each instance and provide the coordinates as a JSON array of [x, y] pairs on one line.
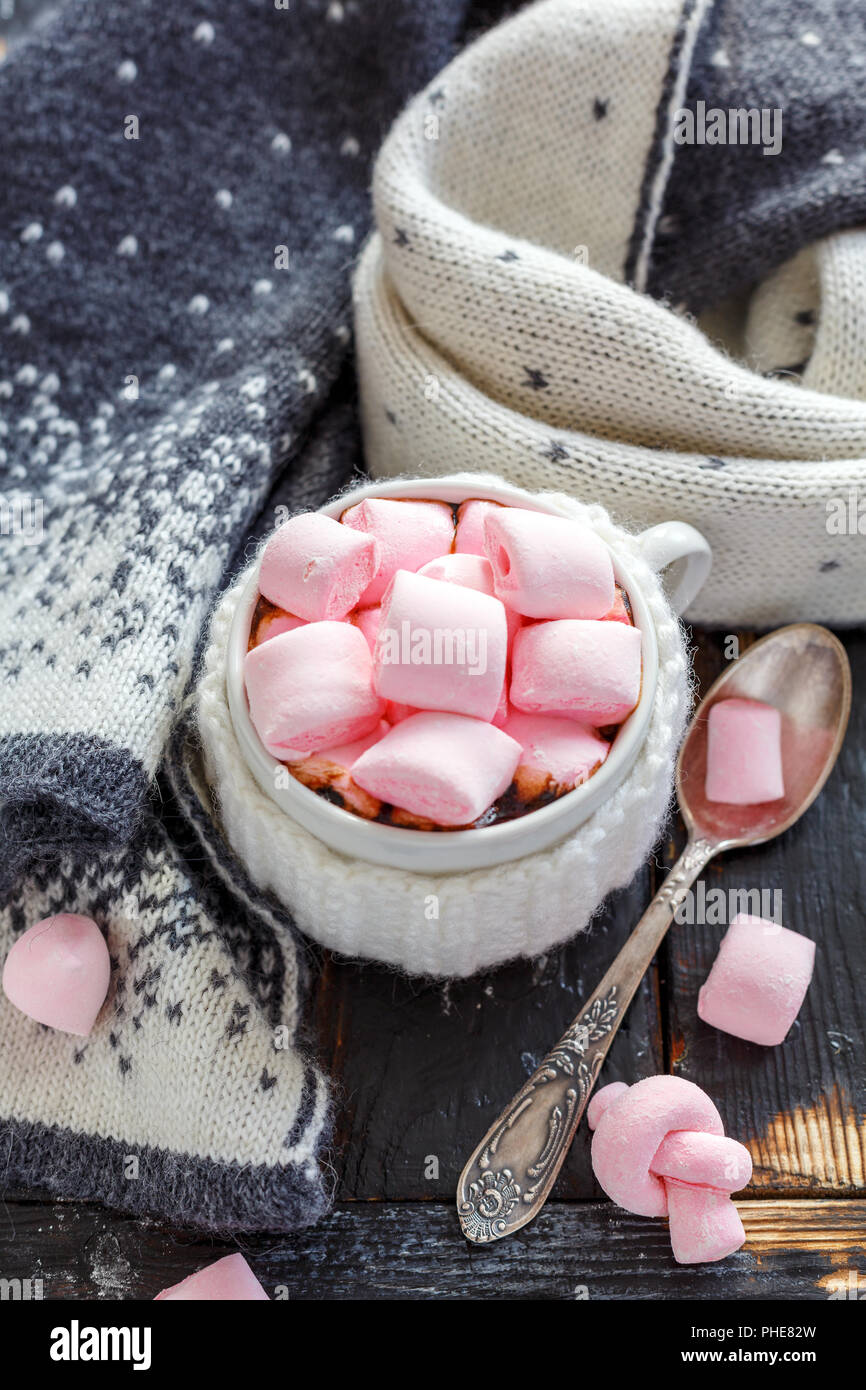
[[802, 670]]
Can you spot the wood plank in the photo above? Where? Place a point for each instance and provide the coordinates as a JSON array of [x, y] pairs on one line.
[[800, 1107], [422, 1069], [372, 1250]]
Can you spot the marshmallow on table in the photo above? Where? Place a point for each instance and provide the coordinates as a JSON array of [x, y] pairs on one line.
[[758, 980], [58, 973], [409, 534], [659, 1149], [229, 1279], [548, 566], [311, 689], [445, 768], [316, 568], [441, 647], [588, 670], [553, 750], [469, 536], [744, 753]]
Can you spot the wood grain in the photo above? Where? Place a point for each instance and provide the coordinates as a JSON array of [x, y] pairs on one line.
[[422, 1070], [409, 1250]]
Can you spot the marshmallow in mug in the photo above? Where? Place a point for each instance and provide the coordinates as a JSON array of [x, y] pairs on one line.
[[323, 702], [467, 677]]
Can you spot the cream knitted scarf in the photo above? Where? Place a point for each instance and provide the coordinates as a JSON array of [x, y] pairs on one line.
[[502, 321]]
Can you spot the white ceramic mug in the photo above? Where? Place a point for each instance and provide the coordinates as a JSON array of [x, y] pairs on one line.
[[672, 544]]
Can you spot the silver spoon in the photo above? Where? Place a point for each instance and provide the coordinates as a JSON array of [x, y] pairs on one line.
[[802, 670]]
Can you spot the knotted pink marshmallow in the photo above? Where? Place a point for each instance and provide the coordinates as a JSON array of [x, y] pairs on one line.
[[659, 1150], [758, 980], [228, 1279], [469, 537], [316, 568], [311, 689], [443, 767], [441, 646], [744, 753], [547, 566], [58, 972], [409, 534], [586, 669], [553, 749]]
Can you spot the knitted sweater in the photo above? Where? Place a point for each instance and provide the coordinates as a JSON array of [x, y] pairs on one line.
[[185, 191], [532, 195]]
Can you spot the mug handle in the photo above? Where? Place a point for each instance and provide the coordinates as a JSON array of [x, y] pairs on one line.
[[686, 551]]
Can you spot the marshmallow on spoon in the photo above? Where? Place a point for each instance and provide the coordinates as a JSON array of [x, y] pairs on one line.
[[228, 1279], [758, 980], [744, 753], [312, 689], [588, 670], [547, 566], [445, 768], [58, 973], [554, 750], [659, 1149], [409, 534], [316, 568], [441, 647]]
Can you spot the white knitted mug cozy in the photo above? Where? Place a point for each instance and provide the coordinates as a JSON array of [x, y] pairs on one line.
[[496, 331], [452, 924]]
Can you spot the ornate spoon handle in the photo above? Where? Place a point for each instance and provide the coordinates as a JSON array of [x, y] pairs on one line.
[[508, 1178]]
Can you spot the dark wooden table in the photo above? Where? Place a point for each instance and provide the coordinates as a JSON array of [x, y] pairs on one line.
[[420, 1070]]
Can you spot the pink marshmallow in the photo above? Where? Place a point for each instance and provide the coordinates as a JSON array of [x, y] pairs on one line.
[[275, 623], [560, 750], [547, 566], [368, 621], [586, 669], [443, 767], [441, 646], [409, 534], [744, 753], [316, 568], [229, 1279], [311, 689], [619, 613], [331, 769], [58, 973], [758, 980], [473, 572], [631, 1130], [659, 1149], [469, 537]]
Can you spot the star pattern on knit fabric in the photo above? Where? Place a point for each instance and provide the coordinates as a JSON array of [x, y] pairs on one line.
[[535, 379], [508, 255], [556, 452], [599, 108]]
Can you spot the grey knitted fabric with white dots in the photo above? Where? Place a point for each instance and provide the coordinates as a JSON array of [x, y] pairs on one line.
[[185, 189]]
